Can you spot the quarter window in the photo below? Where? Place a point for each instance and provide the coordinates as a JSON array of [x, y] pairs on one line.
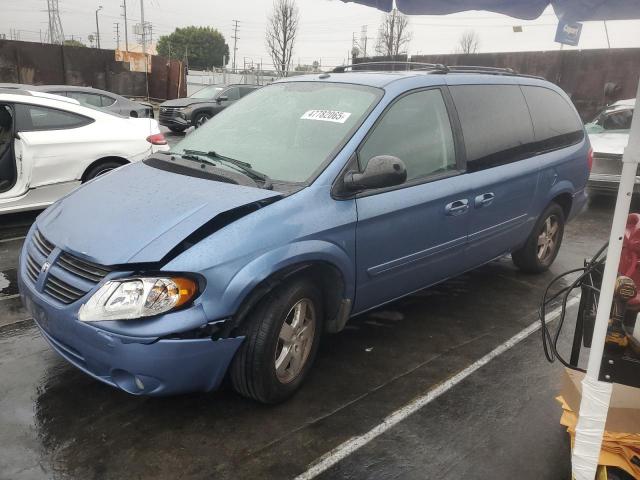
[[416, 129], [32, 117], [495, 123], [555, 122]]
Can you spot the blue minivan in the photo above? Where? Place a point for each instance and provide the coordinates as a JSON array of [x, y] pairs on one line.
[[310, 201]]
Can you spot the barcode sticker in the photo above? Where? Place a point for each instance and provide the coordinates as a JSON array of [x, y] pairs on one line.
[[326, 116]]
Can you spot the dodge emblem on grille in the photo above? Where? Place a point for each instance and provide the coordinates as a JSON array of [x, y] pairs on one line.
[[45, 267]]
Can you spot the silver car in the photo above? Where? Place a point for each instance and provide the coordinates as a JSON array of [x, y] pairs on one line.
[[609, 135], [93, 97]]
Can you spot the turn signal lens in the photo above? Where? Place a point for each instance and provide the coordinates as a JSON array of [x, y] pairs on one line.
[[138, 297]]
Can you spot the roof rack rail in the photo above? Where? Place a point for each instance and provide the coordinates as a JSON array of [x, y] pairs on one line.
[[409, 66], [429, 67]]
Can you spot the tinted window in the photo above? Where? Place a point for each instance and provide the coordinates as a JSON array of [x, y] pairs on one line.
[[107, 101], [232, 93], [555, 122], [246, 90], [415, 129], [32, 117], [86, 98], [495, 123]]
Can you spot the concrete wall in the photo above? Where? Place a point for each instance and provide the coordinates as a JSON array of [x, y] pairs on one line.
[[44, 64], [583, 74]]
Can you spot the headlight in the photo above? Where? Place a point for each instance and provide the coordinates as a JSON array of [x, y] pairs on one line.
[[137, 297]]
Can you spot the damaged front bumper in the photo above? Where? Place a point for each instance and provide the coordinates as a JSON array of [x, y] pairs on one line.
[[138, 365]]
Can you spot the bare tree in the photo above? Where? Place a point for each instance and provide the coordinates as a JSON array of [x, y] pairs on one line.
[[468, 43], [282, 29], [393, 34]]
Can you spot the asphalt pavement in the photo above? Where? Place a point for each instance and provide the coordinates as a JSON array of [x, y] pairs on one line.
[[500, 422]]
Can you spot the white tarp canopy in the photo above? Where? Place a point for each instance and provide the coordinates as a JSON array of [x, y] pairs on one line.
[[596, 395], [572, 10]]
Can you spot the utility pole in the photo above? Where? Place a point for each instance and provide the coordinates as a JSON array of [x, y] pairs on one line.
[[606, 31], [363, 41], [98, 26], [126, 32], [144, 33], [235, 44], [116, 25]]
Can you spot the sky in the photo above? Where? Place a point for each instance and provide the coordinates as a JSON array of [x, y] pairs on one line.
[[326, 26]]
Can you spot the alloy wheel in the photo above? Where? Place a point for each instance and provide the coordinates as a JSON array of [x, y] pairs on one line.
[[548, 238], [295, 340]]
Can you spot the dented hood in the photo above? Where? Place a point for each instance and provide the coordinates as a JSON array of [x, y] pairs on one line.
[[138, 213]]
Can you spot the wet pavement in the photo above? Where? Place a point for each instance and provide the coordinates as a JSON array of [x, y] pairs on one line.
[[501, 422]]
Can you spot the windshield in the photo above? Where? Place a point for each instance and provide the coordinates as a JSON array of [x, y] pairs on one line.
[[286, 130], [207, 92]]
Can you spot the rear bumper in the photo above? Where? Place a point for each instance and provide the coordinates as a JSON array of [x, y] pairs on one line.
[[608, 183], [140, 366]]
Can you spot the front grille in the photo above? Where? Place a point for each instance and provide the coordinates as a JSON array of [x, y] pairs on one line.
[[62, 291], [87, 270], [42, 244], [169, 112], [32, 269], [69, 278]]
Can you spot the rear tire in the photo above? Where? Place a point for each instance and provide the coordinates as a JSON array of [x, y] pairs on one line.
[[275, 359], [544, 242], [101, 169]]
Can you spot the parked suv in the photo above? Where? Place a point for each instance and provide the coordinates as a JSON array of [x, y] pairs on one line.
[[238, 249], [182, 113]]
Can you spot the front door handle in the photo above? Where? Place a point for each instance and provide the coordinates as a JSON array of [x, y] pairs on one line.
[[457, 208], [484, 199]]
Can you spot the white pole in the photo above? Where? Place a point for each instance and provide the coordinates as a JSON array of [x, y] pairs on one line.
[[595, 394]]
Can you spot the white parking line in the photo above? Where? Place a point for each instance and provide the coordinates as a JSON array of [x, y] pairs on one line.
[[12, 239], [347, 448]]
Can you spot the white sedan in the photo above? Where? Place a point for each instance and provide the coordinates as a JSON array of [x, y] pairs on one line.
[[50, 144]]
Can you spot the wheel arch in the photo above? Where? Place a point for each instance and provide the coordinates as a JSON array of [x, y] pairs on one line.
[[95, 163], [328, 266]]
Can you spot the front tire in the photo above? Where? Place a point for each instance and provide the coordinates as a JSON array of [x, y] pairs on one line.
[[282, 337], [544, 242], [201, 119]]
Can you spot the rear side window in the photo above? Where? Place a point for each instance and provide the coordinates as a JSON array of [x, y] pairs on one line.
[[107, 101], [555, 122], [34, 117], [495, 123], [85, 99], [415, 129]]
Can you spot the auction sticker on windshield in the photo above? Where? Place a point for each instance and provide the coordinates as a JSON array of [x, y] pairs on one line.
[[326, 115]]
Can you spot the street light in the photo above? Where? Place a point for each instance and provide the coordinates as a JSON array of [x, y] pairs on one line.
[[98, 26]]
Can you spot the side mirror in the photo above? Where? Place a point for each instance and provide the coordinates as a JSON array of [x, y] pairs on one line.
[[224, 98], [381, 171]]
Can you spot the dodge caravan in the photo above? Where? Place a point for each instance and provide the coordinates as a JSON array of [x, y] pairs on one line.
[[309, 201]]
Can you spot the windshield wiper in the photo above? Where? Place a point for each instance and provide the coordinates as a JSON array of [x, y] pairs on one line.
[[244, 167]]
